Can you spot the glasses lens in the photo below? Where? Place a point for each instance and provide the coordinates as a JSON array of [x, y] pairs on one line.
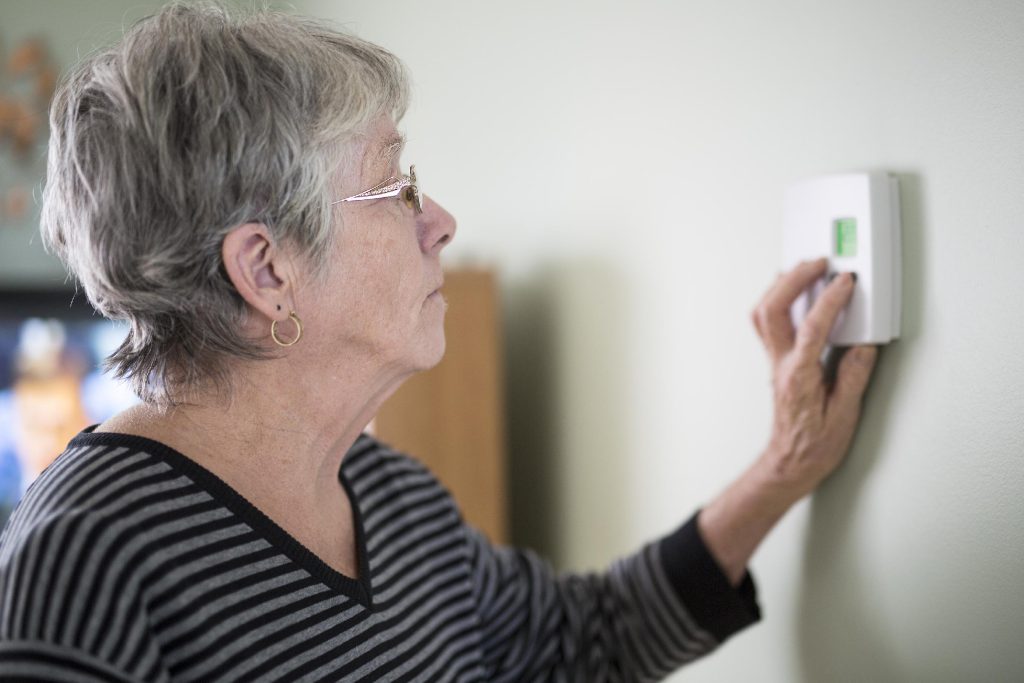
[[409, 196], [417, 197]]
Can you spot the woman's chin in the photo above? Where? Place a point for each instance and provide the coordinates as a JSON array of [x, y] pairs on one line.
[[433, 355]]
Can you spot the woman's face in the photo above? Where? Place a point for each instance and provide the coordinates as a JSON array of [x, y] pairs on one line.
[[380, 298]]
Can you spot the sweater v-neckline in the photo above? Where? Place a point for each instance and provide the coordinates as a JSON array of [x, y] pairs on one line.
[[358, 589]]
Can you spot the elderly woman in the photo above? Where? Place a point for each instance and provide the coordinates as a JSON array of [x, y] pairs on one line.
[[231, 187]]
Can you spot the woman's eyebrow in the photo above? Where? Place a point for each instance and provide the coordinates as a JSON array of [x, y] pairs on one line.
[[392, 148]]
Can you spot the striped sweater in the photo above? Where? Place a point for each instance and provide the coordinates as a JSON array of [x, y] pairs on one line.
[[127, 561]]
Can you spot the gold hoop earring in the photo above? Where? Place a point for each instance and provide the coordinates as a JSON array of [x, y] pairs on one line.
[[298, 330]]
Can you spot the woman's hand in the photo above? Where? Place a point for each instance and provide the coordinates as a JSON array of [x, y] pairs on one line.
[[813, 425]]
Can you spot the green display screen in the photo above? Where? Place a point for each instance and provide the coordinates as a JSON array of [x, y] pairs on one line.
[[846, 236]]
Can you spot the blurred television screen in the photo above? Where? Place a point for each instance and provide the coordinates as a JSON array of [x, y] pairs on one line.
[[52, 384]]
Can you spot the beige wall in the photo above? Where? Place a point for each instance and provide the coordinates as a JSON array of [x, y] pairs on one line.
[[624, 164]]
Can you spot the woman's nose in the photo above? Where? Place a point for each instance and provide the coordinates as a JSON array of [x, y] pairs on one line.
[[437, 226]]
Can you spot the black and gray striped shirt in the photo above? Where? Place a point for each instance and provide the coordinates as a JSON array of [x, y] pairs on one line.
[[127, 561]]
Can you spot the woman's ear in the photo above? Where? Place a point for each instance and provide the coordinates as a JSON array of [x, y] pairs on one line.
[[259, 269]]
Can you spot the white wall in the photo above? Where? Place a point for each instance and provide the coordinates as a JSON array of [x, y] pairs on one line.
[[624, 164]]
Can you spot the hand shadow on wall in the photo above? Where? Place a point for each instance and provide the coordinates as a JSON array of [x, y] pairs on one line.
[[842, 635]]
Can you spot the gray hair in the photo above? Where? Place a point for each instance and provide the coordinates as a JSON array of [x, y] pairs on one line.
[[200, 120]]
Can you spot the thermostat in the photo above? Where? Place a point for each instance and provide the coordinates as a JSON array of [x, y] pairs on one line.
[[853, 220]]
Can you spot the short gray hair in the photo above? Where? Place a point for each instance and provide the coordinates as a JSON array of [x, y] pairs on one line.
[[198, 120]]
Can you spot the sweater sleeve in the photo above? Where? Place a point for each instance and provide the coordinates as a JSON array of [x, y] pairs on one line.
[[650, 613]]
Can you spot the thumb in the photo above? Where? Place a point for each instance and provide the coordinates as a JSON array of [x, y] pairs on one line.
[[852, 378]]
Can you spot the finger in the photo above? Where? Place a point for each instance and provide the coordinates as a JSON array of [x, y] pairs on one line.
[[755, 315], [851, 381], [814, 330], [773, 320]]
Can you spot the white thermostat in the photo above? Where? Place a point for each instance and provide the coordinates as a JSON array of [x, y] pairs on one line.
[[853, 220]]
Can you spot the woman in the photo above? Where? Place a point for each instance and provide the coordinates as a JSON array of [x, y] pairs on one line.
[[231, 187]]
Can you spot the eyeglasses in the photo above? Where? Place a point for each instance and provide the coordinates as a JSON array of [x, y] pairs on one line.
[[403, 186]]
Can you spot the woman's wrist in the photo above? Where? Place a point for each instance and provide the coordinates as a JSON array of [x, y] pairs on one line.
[[734, 524]]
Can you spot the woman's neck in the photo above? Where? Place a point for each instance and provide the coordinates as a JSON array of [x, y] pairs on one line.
[[280, 448]]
